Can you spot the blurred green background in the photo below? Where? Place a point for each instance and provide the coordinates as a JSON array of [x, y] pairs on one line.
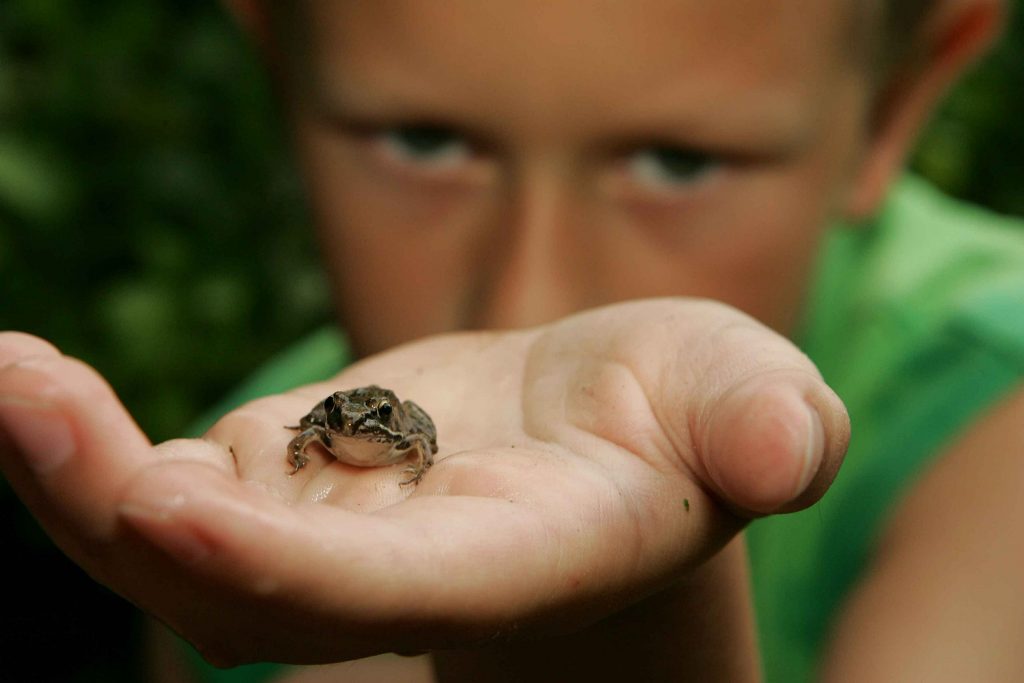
[[151, 223]]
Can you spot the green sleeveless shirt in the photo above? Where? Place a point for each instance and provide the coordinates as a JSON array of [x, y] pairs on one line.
[[917, 322]]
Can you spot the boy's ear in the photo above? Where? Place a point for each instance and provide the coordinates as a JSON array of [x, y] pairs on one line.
[[957, 33]]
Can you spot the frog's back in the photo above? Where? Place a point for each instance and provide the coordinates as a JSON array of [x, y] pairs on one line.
[[421, 422]]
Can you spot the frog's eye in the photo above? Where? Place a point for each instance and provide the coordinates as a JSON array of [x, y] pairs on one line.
[[384, 410], [329, 404]]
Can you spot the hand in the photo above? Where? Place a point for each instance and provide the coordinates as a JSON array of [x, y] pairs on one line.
[[582, 465]]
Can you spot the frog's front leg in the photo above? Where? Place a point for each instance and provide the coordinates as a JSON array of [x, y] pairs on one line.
[[424, 456], [297, 446]]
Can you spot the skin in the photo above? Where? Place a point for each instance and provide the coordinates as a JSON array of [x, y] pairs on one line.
[[551, 197], [543, 204], [520, 526]]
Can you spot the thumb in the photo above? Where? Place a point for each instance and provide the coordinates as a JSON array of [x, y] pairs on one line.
[[773, 442]]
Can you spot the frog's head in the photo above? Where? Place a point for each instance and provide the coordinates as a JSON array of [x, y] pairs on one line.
[[348, 411]]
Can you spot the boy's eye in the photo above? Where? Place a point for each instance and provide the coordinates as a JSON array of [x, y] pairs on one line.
[[665, 167], [425, 145]]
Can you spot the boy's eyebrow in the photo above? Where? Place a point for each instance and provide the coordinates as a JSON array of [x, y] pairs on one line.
[[760, 119], [373, 104]]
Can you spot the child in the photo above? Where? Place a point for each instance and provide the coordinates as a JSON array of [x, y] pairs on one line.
[[507, 164]]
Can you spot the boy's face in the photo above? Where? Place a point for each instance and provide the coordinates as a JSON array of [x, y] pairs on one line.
[[504, 163]]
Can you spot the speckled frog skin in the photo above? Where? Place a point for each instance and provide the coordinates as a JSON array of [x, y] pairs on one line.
[[368, 427]]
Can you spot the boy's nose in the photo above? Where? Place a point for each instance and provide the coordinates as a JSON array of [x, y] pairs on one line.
[[534, 251]]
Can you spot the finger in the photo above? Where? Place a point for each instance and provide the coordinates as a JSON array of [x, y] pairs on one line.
[[328, 584], [68, 443], [430, 572], [202, 451], [740, 406], [769, 434], [15, 346], [773, 442]]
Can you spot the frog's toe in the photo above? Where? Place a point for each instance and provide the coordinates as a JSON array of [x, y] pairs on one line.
[[416, 472], [299, 462]]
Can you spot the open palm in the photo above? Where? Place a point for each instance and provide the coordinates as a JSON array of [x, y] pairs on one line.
[[582, 465]]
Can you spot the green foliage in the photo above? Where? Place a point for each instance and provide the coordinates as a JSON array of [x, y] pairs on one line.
[[150, 218], [974, 147]]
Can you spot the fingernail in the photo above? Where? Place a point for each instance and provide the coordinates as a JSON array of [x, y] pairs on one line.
[[41, 435], [158, 525], [814, 452]]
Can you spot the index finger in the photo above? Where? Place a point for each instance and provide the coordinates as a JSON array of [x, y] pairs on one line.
[[69, 446]]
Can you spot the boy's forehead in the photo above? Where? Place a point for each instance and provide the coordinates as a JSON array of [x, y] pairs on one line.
[[633, 52]]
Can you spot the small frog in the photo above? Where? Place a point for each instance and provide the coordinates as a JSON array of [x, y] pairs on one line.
[[368, 427]]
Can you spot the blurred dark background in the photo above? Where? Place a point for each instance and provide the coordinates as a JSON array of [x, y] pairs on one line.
[[152, 224]]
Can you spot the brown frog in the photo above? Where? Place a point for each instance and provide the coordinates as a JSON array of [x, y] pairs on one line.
[[368, 427]]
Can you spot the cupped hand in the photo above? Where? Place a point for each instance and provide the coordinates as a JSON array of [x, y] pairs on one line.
[[582, 465]]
